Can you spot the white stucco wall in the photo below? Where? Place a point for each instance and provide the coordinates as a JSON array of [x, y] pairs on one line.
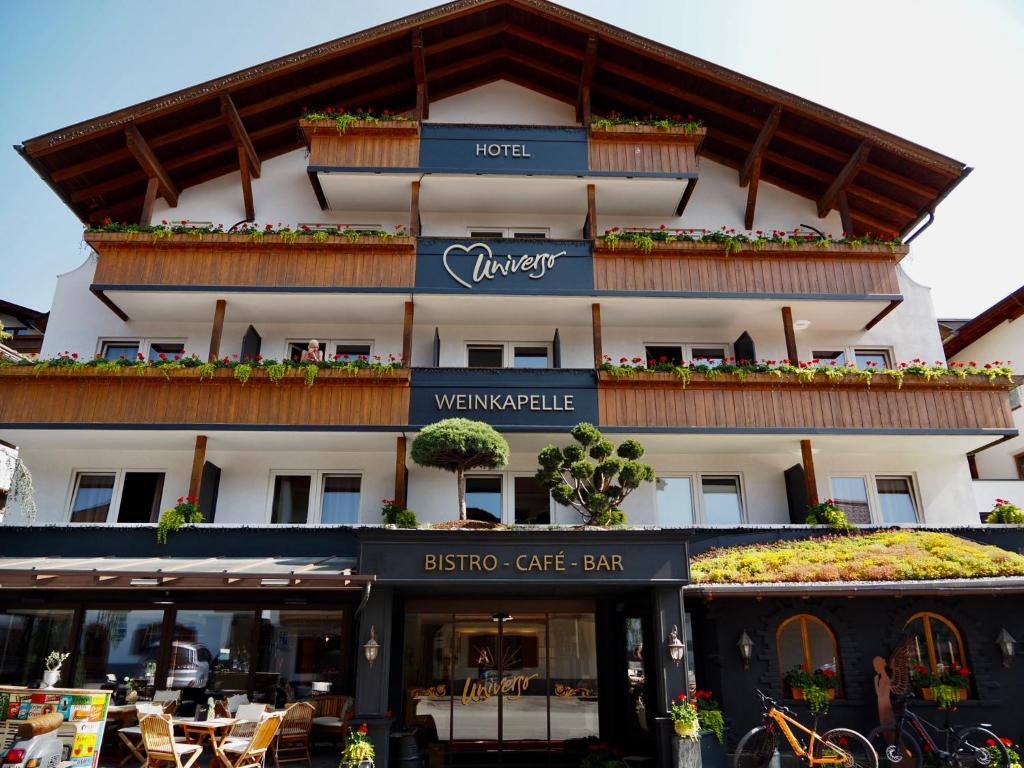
[[502, 103]]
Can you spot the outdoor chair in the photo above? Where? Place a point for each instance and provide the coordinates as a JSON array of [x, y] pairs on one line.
[[292, 744], [249, 753], [248, 717], [131, 736], [329, 722], [221, 709], [161, 746]]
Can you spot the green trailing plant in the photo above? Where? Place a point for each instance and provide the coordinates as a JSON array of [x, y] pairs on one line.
[[685, 717], [592, 476], [733, 241], [830, 515], [4, 335], [395, 513], [817, 686], [319, 233], [1005, 512], [345, 118], [358, 747], [243, 372], [276, 371], [687, 123], [185, 512], [459, 445], [709, 714]]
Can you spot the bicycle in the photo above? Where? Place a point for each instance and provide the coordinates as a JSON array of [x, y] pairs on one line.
[[836, 747], [904, 744]]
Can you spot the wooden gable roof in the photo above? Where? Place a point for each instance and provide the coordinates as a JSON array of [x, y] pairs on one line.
[[101, 167]]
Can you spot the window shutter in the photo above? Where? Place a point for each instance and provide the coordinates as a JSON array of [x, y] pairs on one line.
[[209, 486], [437, 348], [743, 348], [796, 493], [251, 343], [556, 351]]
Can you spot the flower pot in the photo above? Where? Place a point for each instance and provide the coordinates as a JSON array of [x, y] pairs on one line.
[[798, 694], [685, 730], [51, 677], [686, 752], [712, 751]]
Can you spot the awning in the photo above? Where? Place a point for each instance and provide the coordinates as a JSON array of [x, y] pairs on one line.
[[945, 587], [180, 573]]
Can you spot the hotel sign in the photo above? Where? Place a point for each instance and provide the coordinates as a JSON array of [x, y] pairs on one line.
[[515, 149], [505, 266], [518, 398]]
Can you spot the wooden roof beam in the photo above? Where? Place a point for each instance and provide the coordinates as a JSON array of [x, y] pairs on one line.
[[419, 66], [828, 201], [760, 145], [239, 133], [753, 178], [150, 165], [586, 78]]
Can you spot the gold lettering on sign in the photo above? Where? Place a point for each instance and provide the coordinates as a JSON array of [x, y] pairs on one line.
[[457, 562], [511, 687], [533, 403], [606, 563]]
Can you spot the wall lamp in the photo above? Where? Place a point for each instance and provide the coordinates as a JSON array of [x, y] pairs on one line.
[[746, 646], [675, 646], [371, 648], [1007, 646]]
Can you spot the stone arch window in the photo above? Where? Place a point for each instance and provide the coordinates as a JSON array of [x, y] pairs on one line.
[[938, 644], [806, 641]]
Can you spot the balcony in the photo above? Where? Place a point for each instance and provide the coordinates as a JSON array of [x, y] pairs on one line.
[[767, 404], [147, 398]]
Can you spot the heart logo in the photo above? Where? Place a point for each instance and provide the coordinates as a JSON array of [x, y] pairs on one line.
[[467, 249]]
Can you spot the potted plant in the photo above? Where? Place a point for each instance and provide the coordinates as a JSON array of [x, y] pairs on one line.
[[395, 514], [184, 512], [1006, 512], [946, 688], [358, 749], [829, 514], [685, 718], [817, 688], [600, 755], [712, 730], [51, 675]]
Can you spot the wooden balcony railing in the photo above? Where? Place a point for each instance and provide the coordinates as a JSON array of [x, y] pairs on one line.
[[643, 149], [693, 267], [132, 399], [387, 144], [132, 260], [766, 403]]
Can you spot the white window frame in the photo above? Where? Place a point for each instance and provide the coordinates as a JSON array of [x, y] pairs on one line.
[[871, 483], [508, 351], [144, 343], [115, 493], [508, 493], [697, 494], [325, 344], [316, 493], [850, 352], [687, 348], [509, 233]]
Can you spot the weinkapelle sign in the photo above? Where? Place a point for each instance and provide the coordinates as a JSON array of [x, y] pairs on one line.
[[505, 266]]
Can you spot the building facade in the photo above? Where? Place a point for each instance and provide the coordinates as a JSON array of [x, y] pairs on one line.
[[489, 249]]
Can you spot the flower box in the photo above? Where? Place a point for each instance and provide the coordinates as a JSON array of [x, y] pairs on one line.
[[647, 133], [798, 694], [311, 128], [929, 695], [662, 248], [215, 240]]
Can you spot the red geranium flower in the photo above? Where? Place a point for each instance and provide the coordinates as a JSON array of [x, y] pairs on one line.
[[364, 729]]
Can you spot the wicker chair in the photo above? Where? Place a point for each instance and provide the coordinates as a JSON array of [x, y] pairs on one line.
[[292, 745], [221, 709], [248, 717], [249, 753], [160, 745], [131, 736], [331, 711]]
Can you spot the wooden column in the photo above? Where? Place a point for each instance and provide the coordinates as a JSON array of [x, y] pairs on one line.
[[591, 233], [809, 479], [787, 328], [755, 178], [407, 334], [414, 210], [400, 490], [218, 329], [586, 78], [146, 217], [198, 460], [595, 312]]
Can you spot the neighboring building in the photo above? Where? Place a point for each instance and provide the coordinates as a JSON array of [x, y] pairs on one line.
[[998, 468], [504, 300], [26, 327]]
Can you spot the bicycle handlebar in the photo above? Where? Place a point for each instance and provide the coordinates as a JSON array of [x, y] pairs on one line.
[[769, 703]]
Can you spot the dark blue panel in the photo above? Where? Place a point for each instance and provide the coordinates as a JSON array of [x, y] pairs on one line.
[[525, 399], [503, 149], [505, 266]]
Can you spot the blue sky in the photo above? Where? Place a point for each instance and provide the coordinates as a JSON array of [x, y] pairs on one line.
[[943, 73]]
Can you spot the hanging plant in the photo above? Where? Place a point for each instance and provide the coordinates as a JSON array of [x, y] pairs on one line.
[[22, 491], [186, 511]]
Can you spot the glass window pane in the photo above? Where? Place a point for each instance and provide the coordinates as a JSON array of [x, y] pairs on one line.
[[523, 670], [487, 234], [530, 357], [116, 350], [663, 354], [480, 356], [895, 500], [140, 497], [722, 500], [26, 637], [532, 502], [823, 650], [166, 350], [871, 358], [483, 498], [791, 647], [296, 349], [297, 649], [572, 651], [674, 501], [851, 495], [291, 499], [119, 642], [351, 351], [93, 494], [829, 356], [340, 500], [210, 650], [530, 235], [709, 355]]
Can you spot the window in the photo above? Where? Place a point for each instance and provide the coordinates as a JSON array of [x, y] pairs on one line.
[[166, 350], [532, 502], [937, 641], [92, 497], [119, 642], [511, 354], [140, 497], [872, 358], [210, 649], [483, 498], [325, 498], [851, 495], [701, 354], [896, 500], [529, 357], [661, 353], [806, 641], [27, 635], [1019, 461], [350, 350], [885, 499], [485, 356], [118, 350], [135, 495], [721, 500], [861, 357], [674, 499], [826, 356], [337, 349], [299, 648], [130, 349], [498, 233]]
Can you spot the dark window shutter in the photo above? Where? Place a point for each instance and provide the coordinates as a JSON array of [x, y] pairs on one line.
[[251, 343], [437, 348], [743, 347], [556, 351], [209, 486], [796, 493]]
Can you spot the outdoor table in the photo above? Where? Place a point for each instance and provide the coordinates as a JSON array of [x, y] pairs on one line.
[[122, 714], [215, 729]]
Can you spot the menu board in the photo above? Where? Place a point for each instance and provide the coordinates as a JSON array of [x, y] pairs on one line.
[[84, 712]]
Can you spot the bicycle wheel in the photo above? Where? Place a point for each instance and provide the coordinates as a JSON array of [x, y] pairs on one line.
[[978, 747], [756, 749], [895, 749], [858, 750]]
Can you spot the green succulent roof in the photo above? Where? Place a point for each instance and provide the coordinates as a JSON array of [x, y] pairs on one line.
[[897, 555]]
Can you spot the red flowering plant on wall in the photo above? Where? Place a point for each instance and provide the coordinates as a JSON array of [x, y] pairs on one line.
[[688, 123], [733, 241], [1006, 512], [185, 512], [358, 747], [344, 117]]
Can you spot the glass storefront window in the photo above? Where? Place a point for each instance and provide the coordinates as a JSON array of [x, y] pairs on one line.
[[119, 642], [210, 649], [297, 649], [572, 660], [26, 637]]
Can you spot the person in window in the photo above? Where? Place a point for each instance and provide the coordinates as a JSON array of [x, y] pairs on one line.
[[313, 353]]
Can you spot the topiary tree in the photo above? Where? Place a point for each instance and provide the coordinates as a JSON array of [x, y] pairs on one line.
[[457, 445], [593, 490]]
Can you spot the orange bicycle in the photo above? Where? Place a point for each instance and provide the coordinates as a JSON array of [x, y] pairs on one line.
[[836, 747]]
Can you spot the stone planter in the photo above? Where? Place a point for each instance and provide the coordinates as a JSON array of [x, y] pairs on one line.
[[686, 753], [51, 677]]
